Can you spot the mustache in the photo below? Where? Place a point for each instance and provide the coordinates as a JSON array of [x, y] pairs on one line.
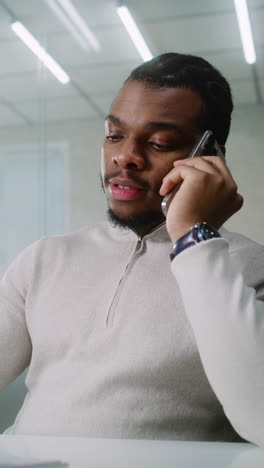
[[131, 176]]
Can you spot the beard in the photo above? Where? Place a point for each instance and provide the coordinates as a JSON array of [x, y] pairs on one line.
[[141, 223]]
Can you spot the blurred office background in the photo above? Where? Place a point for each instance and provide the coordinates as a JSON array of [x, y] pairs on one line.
[[51, 132]]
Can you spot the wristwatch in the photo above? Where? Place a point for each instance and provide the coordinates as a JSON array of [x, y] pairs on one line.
[[198, 233]]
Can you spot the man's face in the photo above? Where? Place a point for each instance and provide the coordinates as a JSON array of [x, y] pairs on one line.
[[146, 130]]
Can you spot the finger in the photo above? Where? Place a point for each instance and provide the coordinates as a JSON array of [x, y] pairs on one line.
[[196, 163], [219, 164], [224, 170], [171, 179], [209, 164], [179, 174]]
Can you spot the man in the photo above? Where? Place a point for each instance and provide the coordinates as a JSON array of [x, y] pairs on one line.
[[121, 342]]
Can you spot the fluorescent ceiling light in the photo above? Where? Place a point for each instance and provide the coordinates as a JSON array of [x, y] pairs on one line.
[[38, 50], [134, 32], [68, 10], [61, 15], [245, 30]]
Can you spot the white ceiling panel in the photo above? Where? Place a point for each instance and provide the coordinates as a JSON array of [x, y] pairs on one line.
[[260, 62], [115, 45], [244, 93], [98, 80], [94, 12], [104, 101], [212, 33], [231, 64], [16, 57], [155, 10], [177, 8], [34, 13], [6, 32], [257, 18], [98, 14], [204, 27], [255, 4], [9, 117], [32, 86], [67, 108], [262, 86], [42, 25], [26, 7], [68, 52]]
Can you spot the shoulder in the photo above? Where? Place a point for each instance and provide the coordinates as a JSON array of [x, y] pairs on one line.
[[247, 255], [50, 248], [69, 242], [238, 242]]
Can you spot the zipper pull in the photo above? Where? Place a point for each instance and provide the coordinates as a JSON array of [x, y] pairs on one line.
[[138, 244]]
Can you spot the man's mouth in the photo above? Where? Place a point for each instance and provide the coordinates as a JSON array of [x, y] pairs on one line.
[[125, 191], [125, 187]]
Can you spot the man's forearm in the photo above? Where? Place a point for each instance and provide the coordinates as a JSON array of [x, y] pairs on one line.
[[228, 324]]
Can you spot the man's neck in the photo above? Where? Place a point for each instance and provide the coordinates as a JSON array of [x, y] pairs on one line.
[[142, 225], [141, 232]]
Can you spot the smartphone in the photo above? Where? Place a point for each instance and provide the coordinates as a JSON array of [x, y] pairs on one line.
[[206, 145]]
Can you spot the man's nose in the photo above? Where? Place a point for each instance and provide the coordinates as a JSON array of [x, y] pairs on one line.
[[130, 156]]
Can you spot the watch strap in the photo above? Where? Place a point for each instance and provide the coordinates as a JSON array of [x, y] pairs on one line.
[[198, 233]]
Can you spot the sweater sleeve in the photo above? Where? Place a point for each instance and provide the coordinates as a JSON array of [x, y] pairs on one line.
[[227, 317], [15, 344]]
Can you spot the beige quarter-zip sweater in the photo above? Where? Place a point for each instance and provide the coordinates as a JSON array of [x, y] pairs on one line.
[[111, 332]]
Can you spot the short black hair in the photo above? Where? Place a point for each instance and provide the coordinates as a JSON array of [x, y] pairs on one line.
[[173, 70]]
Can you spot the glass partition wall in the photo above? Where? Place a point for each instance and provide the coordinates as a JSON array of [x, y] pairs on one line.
[[51, 128], [50, 136], [34, 169]]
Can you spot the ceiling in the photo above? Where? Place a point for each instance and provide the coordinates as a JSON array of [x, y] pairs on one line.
[[29, 95]]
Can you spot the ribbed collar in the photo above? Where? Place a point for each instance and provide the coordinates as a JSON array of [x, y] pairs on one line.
[[159, 233]]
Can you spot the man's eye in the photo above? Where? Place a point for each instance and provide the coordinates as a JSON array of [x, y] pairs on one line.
[[114, 137], [162, 147]]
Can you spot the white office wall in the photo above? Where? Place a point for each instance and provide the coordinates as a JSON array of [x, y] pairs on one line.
[[245, 157], [33, 198], [86, 205], [83, 140]]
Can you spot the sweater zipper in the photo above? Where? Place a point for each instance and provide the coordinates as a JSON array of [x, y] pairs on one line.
[[110, 313]]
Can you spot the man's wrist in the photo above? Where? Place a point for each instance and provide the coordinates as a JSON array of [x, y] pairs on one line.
[[198, 233]]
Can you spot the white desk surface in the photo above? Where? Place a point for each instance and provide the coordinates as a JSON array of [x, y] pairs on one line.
[[39, 452]]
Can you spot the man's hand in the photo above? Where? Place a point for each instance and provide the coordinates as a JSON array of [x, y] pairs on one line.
[[207, 192]]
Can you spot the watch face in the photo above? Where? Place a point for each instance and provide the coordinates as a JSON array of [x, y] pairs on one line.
[[207, 232]]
